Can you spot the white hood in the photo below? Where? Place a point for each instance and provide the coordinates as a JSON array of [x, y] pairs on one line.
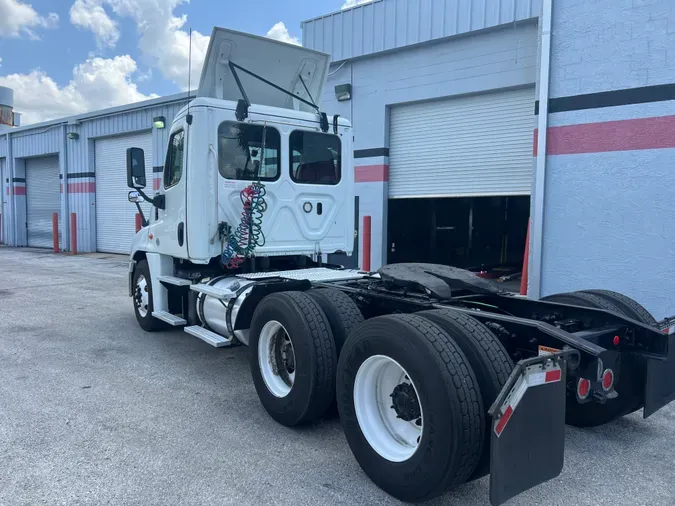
[[272, 60]]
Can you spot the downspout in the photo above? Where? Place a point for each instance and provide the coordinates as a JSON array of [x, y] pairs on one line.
[[534, 290]]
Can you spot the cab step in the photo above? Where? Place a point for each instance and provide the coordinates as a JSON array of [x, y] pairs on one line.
[[212, 291], [207, 336], [173, 280], [169, 318]]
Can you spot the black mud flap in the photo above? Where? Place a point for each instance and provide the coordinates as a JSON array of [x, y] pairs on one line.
[[660, 381], [528, 426]]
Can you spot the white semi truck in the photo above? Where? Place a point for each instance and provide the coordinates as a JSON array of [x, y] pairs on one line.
[[438, 376]]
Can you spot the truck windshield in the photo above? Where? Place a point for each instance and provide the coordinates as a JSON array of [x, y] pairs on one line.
[[239, 152]]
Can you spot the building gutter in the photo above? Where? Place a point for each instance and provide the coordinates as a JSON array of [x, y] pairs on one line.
[[537, 231]]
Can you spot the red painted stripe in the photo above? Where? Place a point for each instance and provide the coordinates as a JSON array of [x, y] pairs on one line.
[[156, 183], [503, 421], [552, 376], [371, 173], [19, 190], [624, 135], [82, 187]]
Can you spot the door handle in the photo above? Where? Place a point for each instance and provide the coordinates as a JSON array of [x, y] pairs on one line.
[[181, 228]]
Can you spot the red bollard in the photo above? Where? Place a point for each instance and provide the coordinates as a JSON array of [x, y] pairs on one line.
[[55, 231], [367, 225], [73, 233], [526, 261], [139, 222]]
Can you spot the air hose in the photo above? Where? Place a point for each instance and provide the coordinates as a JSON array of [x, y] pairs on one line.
[[243, 240]]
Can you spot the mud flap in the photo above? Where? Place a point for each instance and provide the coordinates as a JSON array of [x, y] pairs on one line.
[[660, 381], [528, 426]]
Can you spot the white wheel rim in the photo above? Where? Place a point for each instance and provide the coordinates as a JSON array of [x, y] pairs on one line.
[[276, 358], [141, 296], [393, 438]]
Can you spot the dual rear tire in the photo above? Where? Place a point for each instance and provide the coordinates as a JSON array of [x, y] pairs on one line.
[[412, 390]]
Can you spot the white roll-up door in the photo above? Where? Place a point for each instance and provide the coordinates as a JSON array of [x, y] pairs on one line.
[[469, 146], [115, 215], [43, 199]]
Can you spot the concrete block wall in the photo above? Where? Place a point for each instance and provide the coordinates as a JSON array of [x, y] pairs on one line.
[[609, 216], [500, 58]]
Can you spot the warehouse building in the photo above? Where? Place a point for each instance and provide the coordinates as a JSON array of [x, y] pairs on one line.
[[78, 165], [472, 118]]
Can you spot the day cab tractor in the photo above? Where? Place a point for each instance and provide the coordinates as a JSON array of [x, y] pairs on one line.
[[438, 376]]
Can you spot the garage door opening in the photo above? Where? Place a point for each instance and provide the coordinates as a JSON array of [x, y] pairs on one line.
[[476, 233], [43, 199]]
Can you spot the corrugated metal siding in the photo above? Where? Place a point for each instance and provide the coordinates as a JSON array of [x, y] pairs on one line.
[[3, 145], [389, 24], [41, 142]]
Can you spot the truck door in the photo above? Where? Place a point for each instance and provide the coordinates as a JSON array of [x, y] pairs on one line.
[[170, 226]]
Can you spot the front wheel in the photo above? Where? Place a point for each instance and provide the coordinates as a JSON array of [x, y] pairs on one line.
[[142, 296], [410, 406]]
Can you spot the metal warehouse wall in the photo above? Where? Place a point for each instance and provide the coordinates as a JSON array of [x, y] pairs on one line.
[[610, 167], [382, 25], [77, 164], [499, 58]]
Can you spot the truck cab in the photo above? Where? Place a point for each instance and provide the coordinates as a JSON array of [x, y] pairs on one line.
[[254, 123]]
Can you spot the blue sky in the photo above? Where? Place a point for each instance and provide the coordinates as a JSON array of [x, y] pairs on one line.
[[68, 56]]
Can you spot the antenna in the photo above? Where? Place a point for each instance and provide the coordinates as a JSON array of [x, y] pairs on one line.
[[189, 118]]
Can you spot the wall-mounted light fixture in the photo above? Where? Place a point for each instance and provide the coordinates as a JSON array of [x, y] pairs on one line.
[[343, 92], [73, 136], [159, 122]]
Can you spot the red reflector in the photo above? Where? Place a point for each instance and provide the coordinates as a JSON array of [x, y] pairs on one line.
[[503, 420], [616, 340], [583, 388], [607, 380], [554, 375]]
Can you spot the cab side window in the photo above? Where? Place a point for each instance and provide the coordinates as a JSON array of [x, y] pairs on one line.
[[315, 158], [174, 160]]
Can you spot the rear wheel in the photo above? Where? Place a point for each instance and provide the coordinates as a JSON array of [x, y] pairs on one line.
[[292, 357], [628, 306], [410, 406], [342, 312], [631, 374], [487, 357]]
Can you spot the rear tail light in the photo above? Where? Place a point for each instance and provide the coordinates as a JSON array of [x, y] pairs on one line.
[[607, 380], [583, 388]]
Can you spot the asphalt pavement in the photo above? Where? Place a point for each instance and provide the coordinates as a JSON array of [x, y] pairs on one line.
[[95, 411]]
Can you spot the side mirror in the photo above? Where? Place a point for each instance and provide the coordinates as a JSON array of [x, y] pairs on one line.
[[135, 197], [135, 168]]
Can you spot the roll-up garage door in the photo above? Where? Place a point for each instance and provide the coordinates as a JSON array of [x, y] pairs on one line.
[[468, 146], [43, 199], [115, 215]]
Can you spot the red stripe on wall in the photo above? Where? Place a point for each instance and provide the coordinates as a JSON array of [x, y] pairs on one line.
[[19, 190], [82, 187], [371, 173], [624, 135], [156, 183]]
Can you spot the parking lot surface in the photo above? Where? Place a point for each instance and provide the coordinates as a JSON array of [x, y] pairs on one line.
[[95, 411]]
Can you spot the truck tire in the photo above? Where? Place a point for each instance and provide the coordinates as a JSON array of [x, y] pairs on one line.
[[630, 385], [487, 357], [289, 333], [142, 297], [342, 312], [628, 306], [394, 369]]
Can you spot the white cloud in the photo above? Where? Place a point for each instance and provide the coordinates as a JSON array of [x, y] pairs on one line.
[[90, 15], [17, 17], [164, 43], [96, 84], [280, 32], [354, 3]]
